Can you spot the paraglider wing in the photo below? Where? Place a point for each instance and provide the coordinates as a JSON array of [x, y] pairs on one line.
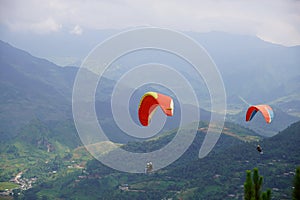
[[266, 111], [149, 103]]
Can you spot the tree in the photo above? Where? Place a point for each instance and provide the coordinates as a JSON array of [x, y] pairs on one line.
[[248, 186], [296, 190], [252, 187], [266, 195], [257, 180]]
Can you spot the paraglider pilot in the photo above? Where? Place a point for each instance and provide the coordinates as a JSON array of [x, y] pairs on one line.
[[259, 149], [149, 167]]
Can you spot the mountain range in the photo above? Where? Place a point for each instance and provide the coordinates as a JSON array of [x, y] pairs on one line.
[[34, 88], [274, 68], [39, 138]]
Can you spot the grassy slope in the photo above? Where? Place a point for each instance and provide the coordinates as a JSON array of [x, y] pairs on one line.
[[217, 175]]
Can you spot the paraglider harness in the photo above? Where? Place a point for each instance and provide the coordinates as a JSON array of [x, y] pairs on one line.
[[259, 149], [149, 168]]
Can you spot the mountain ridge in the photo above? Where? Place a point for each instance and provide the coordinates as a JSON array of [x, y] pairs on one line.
[[220, 175], [35, 88]]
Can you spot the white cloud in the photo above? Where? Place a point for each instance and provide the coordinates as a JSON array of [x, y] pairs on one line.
[[45, 26], [277, 21], [28, 16], [40, 27], [77, 30]]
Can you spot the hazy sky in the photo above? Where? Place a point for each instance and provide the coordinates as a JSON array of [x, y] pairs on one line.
[[277, 21]]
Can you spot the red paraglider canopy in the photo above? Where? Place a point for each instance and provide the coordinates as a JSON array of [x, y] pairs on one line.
[[149, 103], [266, 111]]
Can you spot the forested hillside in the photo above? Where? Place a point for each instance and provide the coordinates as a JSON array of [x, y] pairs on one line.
[[220, 175]]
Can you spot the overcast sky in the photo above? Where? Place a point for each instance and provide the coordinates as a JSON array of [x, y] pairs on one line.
[[276, 21]]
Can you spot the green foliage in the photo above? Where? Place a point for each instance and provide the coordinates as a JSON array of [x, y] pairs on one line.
[[296, 190], [213, 177], [7, 185], [266, 195], [257, 180], [151, 145], [96, 167], [248, 190], [253, 185]]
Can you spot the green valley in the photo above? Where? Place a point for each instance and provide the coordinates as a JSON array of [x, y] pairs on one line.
[[71, 173]]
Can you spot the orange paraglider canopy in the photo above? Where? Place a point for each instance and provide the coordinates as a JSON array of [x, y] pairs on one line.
[[149, 103], [266, 111]]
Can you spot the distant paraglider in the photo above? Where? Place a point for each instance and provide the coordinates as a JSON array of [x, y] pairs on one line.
[[149, 167], [259, 149], [266, 111], [149, 103]]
